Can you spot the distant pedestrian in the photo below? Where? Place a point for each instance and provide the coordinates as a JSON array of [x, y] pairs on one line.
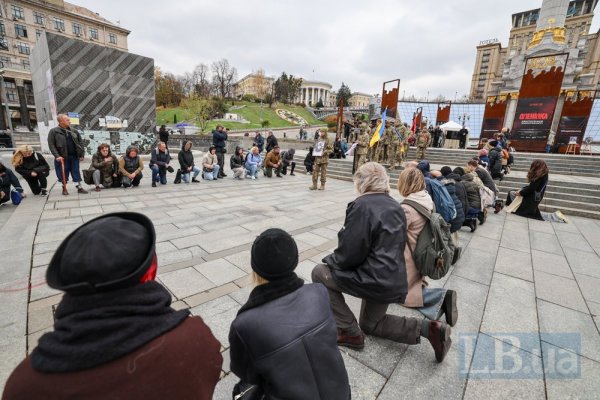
[[309, 161], [220, 143], [271, 141], [163, 135]]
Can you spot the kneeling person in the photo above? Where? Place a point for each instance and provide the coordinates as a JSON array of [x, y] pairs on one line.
[[131, 166], [105, 168], [186, 162], [273, 162]]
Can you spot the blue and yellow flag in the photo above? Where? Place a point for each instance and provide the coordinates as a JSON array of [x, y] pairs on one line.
[[379, 130]]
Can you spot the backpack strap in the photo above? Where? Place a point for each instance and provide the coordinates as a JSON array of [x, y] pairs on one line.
[[418, 208]]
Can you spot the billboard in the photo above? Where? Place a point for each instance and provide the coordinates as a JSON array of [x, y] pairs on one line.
[[493, 117], [533, 118], [574, 117]]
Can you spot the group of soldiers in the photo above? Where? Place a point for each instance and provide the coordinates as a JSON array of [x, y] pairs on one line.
[[391, 148]]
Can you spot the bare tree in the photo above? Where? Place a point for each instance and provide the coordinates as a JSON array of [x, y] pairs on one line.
[[224, 76], [202, 85]]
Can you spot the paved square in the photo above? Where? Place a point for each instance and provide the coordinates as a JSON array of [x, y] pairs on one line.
[[515, 277]]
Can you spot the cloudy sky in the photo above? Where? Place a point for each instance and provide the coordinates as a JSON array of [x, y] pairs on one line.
[[428, 44]]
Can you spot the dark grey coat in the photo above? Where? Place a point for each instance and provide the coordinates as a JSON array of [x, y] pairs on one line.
[[369, 260], [285, 340]]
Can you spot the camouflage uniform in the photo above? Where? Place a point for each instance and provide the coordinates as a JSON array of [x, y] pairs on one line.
[[396, 149], [384, 144], [362, 147], [423, 141], [320, 165]]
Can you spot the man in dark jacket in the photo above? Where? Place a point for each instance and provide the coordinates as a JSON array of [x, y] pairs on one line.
[[495, 165], [271, 141], [285, 333], [220, 143], [66, 146], [163, 135], [115, 334], [369, 264], [486, 178], [159, 163], [287, 157], [459, 189], [259, 142], [449, 184], [473, 197], [186, 163]]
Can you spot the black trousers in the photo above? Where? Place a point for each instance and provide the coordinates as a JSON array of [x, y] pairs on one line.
[[221, 161], [285, 166], [37, 183]]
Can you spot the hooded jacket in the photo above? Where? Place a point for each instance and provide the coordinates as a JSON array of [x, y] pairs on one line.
[[185, 157], [473, 197], [495, 166], [369, 260]]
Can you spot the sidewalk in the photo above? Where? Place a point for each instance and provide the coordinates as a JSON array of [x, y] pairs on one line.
[[523, 286]]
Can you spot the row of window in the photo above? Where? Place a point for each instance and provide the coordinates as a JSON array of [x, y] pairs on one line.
[[59, 24], [12, 93]]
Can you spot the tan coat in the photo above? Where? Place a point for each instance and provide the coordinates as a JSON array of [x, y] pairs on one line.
[[414, 224]]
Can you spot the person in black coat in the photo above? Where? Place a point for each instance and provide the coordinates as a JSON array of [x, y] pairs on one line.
[[284, 338], [495, 165], [259, 142], [33, 167], [163, 135], [532, 194], [271, 141], [220, 142], [450, 186], [309, 161], [8, 179], [186, 163], [368, 263]]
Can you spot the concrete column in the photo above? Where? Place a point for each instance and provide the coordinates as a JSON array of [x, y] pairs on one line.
[[25, 121], [312, 100]]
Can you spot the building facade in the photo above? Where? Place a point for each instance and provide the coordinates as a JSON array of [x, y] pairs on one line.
[[22, 23], [492, 58], [360, 100]]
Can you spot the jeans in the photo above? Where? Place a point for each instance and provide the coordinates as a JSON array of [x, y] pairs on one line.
[[212, 175], [186, 177], [128, 182], [252, 170], [71, 167], [432, 302], [159, 174], [373, 318], [473, 212]]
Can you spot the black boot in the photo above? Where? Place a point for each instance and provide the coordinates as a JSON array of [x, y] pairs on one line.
[[449, 308]]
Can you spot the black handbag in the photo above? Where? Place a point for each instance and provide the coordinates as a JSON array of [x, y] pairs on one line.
[[177, 177]]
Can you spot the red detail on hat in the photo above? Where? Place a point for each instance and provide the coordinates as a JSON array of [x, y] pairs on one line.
[[150, 275]]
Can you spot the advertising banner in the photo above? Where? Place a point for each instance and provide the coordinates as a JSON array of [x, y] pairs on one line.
[[533, 118], [574, 117], [493, 117]]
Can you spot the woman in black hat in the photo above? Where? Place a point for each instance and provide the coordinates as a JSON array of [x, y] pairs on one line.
[[283, 340]]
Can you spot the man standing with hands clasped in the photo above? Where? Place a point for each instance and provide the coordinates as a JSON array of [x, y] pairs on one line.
[[321, 151], [219, 141], [66, 147]]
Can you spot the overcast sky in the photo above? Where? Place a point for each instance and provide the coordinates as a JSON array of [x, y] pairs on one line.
[[428, 44]]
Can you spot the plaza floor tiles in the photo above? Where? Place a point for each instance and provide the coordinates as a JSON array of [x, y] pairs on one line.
[[513, 273]]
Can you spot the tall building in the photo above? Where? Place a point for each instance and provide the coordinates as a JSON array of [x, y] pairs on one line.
[[492, 59], [22, 22]]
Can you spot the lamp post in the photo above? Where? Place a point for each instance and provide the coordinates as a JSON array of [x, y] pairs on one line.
[[5, 100], [464, 118]]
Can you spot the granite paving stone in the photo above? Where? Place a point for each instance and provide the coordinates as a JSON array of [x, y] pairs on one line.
[[514, 263], [589, 286], [364, 382], [516, 239], [551, 264], [218, 314], [545, 242], [585, 387], [558, 290], [185, 282], [583, 262], [220, 271], [573, 241]]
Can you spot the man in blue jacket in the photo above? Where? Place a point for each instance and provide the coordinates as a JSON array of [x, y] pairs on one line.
[[220, 143]]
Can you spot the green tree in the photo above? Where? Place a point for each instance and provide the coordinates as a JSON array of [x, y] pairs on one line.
[[344, 93], [320, 104], [174, 118], [265, 123], [203, 110], [286, 88], [168, 89]]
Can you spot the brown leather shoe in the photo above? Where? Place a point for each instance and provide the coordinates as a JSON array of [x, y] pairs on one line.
[[354, 342], [439, 337]]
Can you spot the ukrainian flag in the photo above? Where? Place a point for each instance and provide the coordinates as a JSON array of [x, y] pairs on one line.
[[379, 131]]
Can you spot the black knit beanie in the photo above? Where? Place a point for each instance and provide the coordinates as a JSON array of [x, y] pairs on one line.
[[274, 254]]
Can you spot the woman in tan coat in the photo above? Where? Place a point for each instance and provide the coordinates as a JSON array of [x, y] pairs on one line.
[[431, 302]]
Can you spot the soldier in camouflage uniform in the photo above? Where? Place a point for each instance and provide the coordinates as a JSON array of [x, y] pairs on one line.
[[395, 149], [423, 141], [384, 144], [372, 149], [320, 165], [362, 146]]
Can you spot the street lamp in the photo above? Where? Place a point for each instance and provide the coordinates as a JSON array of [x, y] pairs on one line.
[[464, 118], [5, 100]]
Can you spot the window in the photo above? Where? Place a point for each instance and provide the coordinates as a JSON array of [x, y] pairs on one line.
[[112, 38], [94, 33], [25, 64], [11, 91], [23, 48], [77, 29], [29, 93], [38, 18], [17, 12], [59, 24], [3, 43], [2, 29], [20, 30], [5, 62]]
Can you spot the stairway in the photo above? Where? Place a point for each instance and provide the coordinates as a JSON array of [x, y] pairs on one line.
[[563, 192], [23, 138]]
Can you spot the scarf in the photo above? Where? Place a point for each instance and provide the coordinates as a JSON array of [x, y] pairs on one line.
[[94, 329], [423, 198], [273, 290]]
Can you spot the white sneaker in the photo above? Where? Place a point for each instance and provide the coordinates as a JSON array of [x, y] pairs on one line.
[[253, 177]]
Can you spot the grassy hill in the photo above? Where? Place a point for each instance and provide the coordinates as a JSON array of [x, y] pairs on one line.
[[252, 112]]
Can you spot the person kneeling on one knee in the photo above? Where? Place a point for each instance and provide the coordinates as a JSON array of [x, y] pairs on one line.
[[131, 166], [369, 263], [285, 331], [273, 162]]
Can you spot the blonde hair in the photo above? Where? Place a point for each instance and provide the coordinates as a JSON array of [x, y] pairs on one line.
[[258, 280], [254, 148], [17, 158], [371, 177], [411, 180]]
